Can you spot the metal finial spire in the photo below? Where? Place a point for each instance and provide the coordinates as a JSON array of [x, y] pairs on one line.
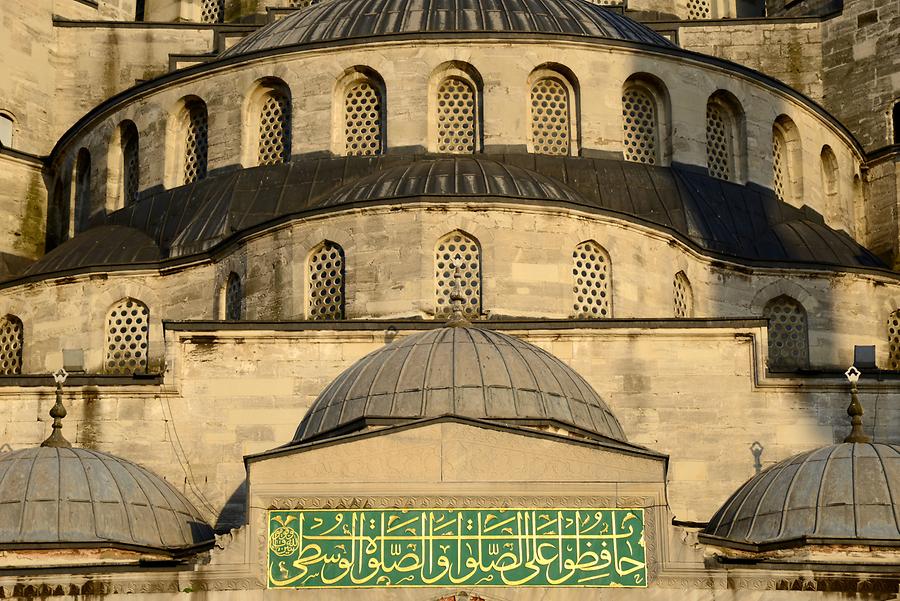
[[458, 317], [58, 412], [855, 410]]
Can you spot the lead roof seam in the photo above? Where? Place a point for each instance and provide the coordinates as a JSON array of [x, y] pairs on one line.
[[790, 489], [400, 372], [484, 392], [425, 390], [826, 460], [537, 386], [127, 466], [453, 367], [58, 492], [562, 389], [90, 490], [389, 352], [25, 492], [752, 483], [513, 389], [853, 489], [125, 504], [887, 482]]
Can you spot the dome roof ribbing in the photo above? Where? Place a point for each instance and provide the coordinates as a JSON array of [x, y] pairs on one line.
[[462, 371], [847, 493], [335, 20]]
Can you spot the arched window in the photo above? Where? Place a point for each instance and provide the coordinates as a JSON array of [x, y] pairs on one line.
[[786, 160], [363, 116], [130, 165], [457, 116], [684, 295], [551, 114], [82, 190], [127, 337], [326, 281], [699, 9], [894, 340], [274, 126], [788, 333], [725, 137], [12, 343], [592, 273], [457, 251], [645, 120], [233, 298], [196, 142], [829, 171], [6, 130], [212, 11]]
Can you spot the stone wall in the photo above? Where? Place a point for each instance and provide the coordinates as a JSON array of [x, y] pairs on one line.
[[23, 201]]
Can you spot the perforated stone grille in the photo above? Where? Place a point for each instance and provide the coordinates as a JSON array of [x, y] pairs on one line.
[[550, 117], [788, 337], [303, 3], [639, 112], [131, 168], [719, 158], [326, 282], [234, 298], [363, 119], [590, 269], [684, 297], [12, 341], [212, 11], [127, 330], [699, 9], [779, 165], [894, 340], [275, 130], [196, 144], [608, 2], [456, 116], [458, 250]]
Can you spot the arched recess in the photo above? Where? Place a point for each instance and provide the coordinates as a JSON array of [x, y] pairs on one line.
[[646, 120], [358, 122], [127, 337], [81, 192], [267, 123], [726, 137], [787, 160], [231, 298], [683, 295], [553, 111], [123, 167], [591, 281], [830, 173], [12, 344], [7, 129], [788, 333], [187, 142], [457, 257], [895, 121], [325, 277], [455, 109]]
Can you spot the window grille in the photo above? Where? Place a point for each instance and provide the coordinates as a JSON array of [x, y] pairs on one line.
[[212, 11], [699, 9], [363, 119], [639, 111], [12, 343], [684, 296], [196, 143], [130, 164], [788, 334], [303, 3], [591, 272], [456, 127], [127, 330], [275, 130], [779, 163], [550, 117], [719, 144], [457, 249], [234, 298], [326, 282], [894, 340]]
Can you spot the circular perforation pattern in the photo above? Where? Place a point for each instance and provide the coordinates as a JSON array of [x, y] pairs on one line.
[[274, 130], [778, 164], [303, 3], [894, 340], [363, 119], [684, 297], [12, 341], [196, 144], [130, 158], [212, 11], [590, 270], [127, 331], [639, 112], [788, 337], [452, 251], [719, 158], [326, 282], [456, 116], [234, 298], [550, 117], [699, 9]]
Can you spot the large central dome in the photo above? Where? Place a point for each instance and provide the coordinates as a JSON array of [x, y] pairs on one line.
[[334, 20]]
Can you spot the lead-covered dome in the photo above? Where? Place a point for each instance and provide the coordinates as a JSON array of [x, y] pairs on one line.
[[847, 493], [63, 497], [335, 20], [462, 371]]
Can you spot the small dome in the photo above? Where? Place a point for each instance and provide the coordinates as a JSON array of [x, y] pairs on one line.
[[356, 19], [847, 493], [462, 371], [77, 498]]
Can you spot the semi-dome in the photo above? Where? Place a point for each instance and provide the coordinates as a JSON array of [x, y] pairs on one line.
[[462, 371], [358, 19], [847, 493], [63, 497]]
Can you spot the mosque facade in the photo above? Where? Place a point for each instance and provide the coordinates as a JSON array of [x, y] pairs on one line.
[[456, 300]]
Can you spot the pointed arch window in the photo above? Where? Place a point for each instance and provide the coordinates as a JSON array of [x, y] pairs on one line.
[[212, 11], [458, 250], [130, 163], [275, 128], [233, 296], [645, 121], [127, 337], [196, 141], [786, 160], [363, 124], [788, 333], [725, 139], [82, 192], [551, 122], [326, 281], [683, 296], [457, 116], [830, 173], [592, 271], [12, 344]]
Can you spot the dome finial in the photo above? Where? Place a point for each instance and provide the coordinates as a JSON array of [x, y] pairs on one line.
[[855, 410], [58, 412], [458, 317]]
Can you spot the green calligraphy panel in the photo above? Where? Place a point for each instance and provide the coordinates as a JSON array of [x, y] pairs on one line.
[[451, 547]]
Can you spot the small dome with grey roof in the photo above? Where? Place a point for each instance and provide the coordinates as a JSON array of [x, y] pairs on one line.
[[462, 371]]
